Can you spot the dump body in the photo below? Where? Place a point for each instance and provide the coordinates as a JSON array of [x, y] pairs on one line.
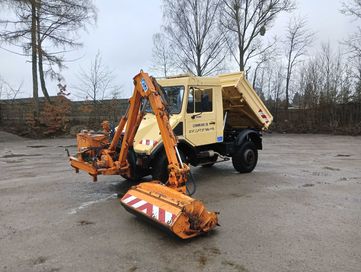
[[244, 107]]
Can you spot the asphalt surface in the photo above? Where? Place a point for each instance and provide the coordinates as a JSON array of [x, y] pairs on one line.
[[300, 210]]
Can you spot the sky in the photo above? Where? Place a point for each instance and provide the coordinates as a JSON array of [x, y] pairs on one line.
[[123, 35]]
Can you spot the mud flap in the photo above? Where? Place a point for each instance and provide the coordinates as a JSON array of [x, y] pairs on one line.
[[180, 214]]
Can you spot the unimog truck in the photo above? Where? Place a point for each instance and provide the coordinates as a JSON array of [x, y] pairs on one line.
[[168, 125], [214, 118]]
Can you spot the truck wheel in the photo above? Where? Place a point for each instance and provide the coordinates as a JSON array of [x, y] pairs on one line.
[[245, 158], [160, 167]]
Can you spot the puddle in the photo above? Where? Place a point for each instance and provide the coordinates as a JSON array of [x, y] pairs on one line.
[[9, 156], [85, 222], [234, 265], [66, 146], [89, 203], [331, 168], [37, 146], [40, 260], [17, 161]]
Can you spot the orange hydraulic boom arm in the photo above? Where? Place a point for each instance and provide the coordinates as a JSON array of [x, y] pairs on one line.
[[165, 204], [147, 89]]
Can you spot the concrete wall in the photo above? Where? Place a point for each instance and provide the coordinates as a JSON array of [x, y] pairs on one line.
[[13, 113]]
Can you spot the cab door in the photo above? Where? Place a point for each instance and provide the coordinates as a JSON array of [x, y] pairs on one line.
[[200, 128]]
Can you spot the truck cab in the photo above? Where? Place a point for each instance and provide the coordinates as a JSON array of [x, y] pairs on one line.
[[214, 119]]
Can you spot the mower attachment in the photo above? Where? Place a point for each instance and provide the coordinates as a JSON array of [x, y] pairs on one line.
[[179, 213]]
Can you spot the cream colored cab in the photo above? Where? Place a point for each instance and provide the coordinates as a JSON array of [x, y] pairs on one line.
[[202, 110], [196, 103]]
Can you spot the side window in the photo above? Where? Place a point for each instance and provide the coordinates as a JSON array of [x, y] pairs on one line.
[[200, 100], [190, 105], [207, 100]]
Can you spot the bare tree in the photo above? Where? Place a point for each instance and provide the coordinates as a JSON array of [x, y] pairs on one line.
[[163, 60], [40, 25], [270, 53], [345, 96], [352, 8], [277, 81], [192, 27], [1, 90], [353, 43], [332, 68], [97, 82], [297, 41], [312, 83], [7, 91], [245, 21], [58, 22]]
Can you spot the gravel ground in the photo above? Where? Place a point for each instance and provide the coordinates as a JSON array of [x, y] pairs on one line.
[[300, 210]]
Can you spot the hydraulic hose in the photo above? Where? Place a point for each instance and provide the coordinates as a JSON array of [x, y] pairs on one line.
[[191, 179]]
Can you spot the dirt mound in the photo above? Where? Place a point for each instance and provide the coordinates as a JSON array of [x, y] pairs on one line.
[[9, 137]]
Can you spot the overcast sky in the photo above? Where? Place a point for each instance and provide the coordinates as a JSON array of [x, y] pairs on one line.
[[123, 34]]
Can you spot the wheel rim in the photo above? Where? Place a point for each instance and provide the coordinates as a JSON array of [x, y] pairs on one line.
[[249, 157]]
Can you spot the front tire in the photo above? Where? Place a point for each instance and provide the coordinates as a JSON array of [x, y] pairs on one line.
[[160, 166], [135, 172], [245, 158]]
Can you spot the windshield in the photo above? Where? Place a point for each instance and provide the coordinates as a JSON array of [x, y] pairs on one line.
[[174, 96]]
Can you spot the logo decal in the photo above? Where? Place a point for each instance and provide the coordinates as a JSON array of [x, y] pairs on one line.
[[144, 85]]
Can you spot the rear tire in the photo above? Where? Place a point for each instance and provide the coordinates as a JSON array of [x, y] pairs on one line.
[[245, 158]]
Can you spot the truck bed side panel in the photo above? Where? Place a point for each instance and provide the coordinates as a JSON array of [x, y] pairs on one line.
[[244, 106]]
